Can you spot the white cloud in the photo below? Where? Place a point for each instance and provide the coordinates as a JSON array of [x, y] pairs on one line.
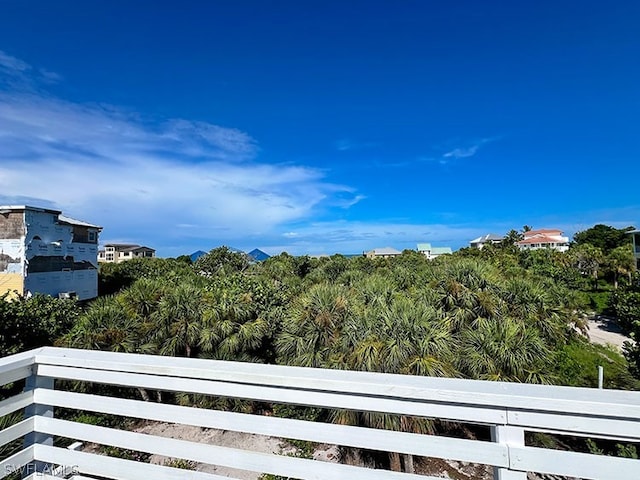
[[12, 64], [462, 152], [467, 151], [148, 181]]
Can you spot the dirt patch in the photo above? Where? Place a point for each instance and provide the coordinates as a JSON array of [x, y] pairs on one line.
[[604, 331], [224, 438]]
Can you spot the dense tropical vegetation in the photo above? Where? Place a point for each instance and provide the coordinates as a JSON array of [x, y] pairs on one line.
[[490, 314]]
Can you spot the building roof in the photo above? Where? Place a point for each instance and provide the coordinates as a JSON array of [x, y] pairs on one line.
[[424, 246], [543, 231], [440, 250], [633, 231], [136, 248], [121, 245], [541, 239], [73, 221], [9, 208], [489, 237], [385, 251]]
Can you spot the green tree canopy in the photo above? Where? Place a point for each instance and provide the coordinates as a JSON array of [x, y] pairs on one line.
[[604, 237]]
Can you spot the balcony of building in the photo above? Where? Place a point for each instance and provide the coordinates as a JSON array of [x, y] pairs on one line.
[[508, 410]]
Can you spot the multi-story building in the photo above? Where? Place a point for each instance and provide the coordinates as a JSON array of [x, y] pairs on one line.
[[43, 251], [544, 238], [121, 252], [432, 252], [635, 239]]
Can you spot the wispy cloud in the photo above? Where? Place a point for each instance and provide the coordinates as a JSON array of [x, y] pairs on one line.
[[462, 152], [12, 64], [19, 74], [141, 178], [466, 151]]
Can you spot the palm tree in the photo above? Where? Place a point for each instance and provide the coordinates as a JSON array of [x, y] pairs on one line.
[[398, 336], [179, 320], [621, 262], [312, 331], [504, 350], [232, 328]]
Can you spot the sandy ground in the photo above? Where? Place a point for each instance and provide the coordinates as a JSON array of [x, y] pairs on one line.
[[240, 440], [604, 331]]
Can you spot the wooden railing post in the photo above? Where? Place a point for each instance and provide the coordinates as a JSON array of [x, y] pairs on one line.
[[510, 436], [32, 438]]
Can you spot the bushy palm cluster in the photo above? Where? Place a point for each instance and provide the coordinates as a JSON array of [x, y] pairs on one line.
[[455, 316]]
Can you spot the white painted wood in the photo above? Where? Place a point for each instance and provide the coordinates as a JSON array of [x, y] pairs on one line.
[[116, 468], [573, 423], [15, 374], [450, 391], [16, 461], [472, 414], [15, 403], [509, 408], [315, 378], [573, 464], [35, 409], [16, 431], [224, 456], [368, 438], [509, 437]]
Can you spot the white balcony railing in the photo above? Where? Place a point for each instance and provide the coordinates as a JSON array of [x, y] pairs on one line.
[[509, 409]]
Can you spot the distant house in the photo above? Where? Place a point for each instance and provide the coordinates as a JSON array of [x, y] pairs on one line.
[[544, 238], [43, 251], [490, 238], [121, 252], [432, 252], [385, 252], [635, 238]]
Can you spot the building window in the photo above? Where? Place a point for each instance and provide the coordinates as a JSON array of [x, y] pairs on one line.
[[109, 257], [91, 236]]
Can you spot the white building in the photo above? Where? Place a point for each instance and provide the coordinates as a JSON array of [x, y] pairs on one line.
[[544, 238], [42, 251], [121, 252], [432, 252]]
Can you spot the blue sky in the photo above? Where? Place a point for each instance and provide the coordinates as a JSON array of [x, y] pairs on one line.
[[321, 127]]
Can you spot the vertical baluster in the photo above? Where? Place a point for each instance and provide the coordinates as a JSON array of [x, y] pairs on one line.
[[36, 438], [510, 436]]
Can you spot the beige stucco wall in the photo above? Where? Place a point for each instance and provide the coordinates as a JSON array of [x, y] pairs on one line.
[[10, 282]]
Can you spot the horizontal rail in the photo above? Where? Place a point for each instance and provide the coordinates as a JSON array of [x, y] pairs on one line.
[[115, 468], [573, 464], [14, 463], [448, 390], [340, 400], [359, 437], [216, 455], [15, 403], [16, 431]]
